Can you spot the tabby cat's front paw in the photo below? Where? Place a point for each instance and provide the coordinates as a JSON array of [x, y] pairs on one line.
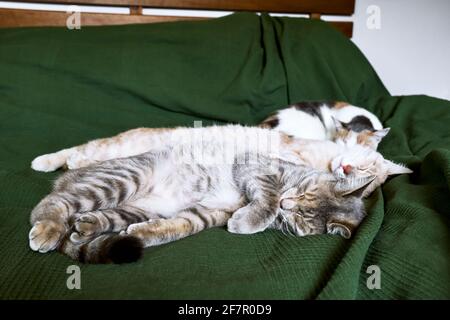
[[86, 227], [245, 221], [45, 235], [240, 227]]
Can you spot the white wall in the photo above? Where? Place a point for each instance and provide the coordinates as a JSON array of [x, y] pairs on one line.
[[411, 50]]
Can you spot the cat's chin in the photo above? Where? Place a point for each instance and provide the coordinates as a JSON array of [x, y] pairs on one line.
[[339, 173]]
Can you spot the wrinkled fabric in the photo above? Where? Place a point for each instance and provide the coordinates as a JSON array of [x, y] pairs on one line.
[[60, 88]]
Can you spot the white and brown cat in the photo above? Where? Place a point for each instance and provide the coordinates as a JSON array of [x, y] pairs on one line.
[[341, 159], [340, 122]]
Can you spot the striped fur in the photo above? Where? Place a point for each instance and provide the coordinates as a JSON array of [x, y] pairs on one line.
[[109, 211]]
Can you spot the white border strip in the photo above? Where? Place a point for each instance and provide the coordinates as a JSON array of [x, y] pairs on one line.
[[290, 15], [323, 17], [185, 13], [337, 18], [62, 7], [150, 11]]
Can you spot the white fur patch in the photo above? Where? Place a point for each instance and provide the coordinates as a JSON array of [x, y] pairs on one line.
[[52, 161], [300, 124]]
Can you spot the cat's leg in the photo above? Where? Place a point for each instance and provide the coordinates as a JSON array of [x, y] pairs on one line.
[[262, 191], [52, 161], [86, 190], [254, 217], [188, 222], [89, 225], [50, 222], [126, 144]]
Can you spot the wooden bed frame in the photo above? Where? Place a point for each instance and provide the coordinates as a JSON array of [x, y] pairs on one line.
[[313, 8]]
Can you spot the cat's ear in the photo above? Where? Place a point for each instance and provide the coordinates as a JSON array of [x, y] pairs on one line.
[[339, 229], [378, 135], [393, 168], [353, 186], [340, 125]]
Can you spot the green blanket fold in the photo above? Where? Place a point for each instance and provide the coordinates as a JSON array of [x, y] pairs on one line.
[[62, 87]]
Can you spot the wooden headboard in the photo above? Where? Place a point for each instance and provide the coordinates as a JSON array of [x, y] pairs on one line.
[[315, 9]]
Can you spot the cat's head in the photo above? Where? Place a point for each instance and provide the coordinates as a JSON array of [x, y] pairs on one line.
[[361, 162], [322, 204], [349, 134]]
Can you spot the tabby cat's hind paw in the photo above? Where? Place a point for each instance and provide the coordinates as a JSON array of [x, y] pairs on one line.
[[142, 230], [86, 227], [45, 235], [149, 232]]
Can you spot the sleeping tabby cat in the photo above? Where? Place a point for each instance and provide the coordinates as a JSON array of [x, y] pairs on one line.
[[337, 121], [162, 195]]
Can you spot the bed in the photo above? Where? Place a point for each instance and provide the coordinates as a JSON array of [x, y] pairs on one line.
[[61, 87]]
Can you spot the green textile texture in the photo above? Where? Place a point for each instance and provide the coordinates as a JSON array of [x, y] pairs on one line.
[[60, 88]]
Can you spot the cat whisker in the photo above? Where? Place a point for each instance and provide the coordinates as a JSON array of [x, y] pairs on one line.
[[285, 226]]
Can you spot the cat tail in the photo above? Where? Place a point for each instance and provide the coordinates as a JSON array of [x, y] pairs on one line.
[[106, 248]]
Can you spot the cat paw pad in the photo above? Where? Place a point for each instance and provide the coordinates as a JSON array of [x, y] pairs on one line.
[[233, 226], [86, 227], [244, 225], [143, 229], [45, 235], [138, 229]]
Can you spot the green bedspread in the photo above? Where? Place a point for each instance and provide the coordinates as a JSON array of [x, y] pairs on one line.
[[60, 88]]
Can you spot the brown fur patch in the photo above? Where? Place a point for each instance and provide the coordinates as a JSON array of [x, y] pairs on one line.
[[140, 131], [270, 123], [182, 227], [165, 228], [124, 136], [286, 139], [341, 134], [340, 104], [365, 138]]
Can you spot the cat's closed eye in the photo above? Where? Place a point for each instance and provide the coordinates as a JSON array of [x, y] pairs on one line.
[[367, 167], [293, 202]]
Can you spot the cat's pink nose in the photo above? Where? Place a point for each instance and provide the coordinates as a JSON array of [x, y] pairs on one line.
[[347, 168]]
